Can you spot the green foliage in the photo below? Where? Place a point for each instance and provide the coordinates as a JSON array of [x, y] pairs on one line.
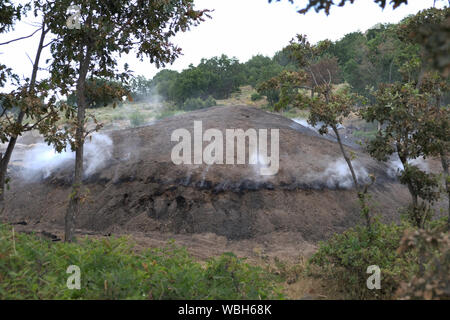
[[433, 279], [256, 96], [136, 119], [165, 113], [423, 184], [326, 5], [410, 128], [429, 28], [101, 92], [11, 12], [197, 103], [345, 257], [259, 69], [140, 88], [229, 275], [34, 268]]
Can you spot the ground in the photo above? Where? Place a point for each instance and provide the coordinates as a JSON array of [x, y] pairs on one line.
[[274, 221]]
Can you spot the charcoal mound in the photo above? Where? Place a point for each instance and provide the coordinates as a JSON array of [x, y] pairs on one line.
[[139, 188]]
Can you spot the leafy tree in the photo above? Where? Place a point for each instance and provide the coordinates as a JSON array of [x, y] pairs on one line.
[[107, 29], [433, 134], [326, 5], [140, 88], [31, 106], [164, 84], [10, 13], [224, 75], [434, 36], [400, 108], [328, 108], [430, 29], [259, 69], [101, 92]]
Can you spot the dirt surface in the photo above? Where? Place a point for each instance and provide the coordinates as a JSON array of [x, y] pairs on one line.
[[210, 209]]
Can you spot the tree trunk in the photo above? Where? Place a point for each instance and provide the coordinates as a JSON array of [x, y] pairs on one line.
[[415, 200], [347, 159], [4, 160], [361, 192], [74, 206], [444, 162]]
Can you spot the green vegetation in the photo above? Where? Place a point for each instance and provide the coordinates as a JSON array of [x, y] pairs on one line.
[[365, 135], [101, 93], [136, 119], [35, 268], [256, 96], [343, 260], [164, 113], [198, 103]]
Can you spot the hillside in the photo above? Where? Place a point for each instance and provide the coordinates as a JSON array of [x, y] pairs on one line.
[[139, 190]]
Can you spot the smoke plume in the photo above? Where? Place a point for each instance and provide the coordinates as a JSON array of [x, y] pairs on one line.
[[42, 160]]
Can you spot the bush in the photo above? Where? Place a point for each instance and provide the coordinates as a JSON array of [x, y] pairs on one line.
[[433, 279], [345, 257], [256, 96], [165, 113], [35, 268], [210, 102], [197, 103], [136, 119]]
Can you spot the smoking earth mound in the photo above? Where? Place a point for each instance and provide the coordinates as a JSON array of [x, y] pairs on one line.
[[137, 187]]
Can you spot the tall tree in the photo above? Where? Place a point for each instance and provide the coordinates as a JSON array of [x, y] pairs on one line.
[[329, 108], [32, 106], [401, 108], [108, 29], [326, 5]]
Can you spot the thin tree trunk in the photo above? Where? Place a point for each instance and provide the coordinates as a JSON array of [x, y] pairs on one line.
[[74, 206], [390, 71], [5, 159], [347, 159], [444, 162], [415, 200], [361, 192]]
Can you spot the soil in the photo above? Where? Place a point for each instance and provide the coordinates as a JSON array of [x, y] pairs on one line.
[[209, 209]]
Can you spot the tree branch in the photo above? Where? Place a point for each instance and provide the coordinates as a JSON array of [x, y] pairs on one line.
[[21, 38]]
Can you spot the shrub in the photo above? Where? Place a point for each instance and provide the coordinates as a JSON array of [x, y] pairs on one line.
[[433, 279], [197, 103], [165, 113], [35, 268], [256, 96], [136, 119], [210, 102], [345, 257]]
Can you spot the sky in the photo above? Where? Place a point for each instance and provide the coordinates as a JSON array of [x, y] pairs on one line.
[[238, 28]]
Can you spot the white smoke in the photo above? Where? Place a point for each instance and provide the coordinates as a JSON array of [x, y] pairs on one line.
[[395, 166], [42, 160], [305, 123], [257, 162], [338, 174], [97, 151]]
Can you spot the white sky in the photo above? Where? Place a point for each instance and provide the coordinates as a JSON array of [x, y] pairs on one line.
[[238, 28]]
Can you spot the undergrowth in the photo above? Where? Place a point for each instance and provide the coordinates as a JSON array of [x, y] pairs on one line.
[[35, 268]]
